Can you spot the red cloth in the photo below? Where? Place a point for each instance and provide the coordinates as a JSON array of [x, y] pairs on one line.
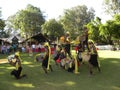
[[52, 50], [36, 50], [76, 48], [58, 60], [42, 49]]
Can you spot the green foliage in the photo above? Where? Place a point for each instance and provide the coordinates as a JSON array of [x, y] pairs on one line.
[[75, 18], [117, 17], [53, 28], [111, 29], [116, 32], [2, 22], [2, 25], [105, 33], [28, 21], [112, 7], [94, 26], [0, 11]]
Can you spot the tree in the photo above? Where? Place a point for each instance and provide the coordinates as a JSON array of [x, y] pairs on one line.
[[28, 21], [94, 31], [0, 11], [52, 28], [112, 7], [106, 32], [75, 18], [111, 29], [116, 32], [2, 25]]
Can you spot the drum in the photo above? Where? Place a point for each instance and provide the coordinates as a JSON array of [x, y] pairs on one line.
[[11, 58], [85, 56]]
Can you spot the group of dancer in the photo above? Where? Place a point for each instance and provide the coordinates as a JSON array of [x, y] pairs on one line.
[[86, 51], [64, 57]]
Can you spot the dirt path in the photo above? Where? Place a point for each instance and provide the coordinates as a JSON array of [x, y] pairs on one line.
[[3, 61]]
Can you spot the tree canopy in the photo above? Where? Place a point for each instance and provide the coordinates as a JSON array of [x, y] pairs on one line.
[[31, 20], [2, 25], [112, 7], [75, 18], [52, 28], [28, 21], [93, 27], [105, 33]]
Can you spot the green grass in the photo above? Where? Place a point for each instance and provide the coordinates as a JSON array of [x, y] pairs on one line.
[[59, 79]]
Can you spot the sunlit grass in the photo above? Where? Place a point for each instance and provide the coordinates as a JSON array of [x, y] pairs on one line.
[[23, 85], [60, 79], [67, 83], [115, 88], [115, 62], [27, 63], [70, 83], [109, 54]]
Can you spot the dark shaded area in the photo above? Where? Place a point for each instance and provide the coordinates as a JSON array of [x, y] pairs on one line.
[[14, 40], [38, 37], [0, 41], [3, 40]]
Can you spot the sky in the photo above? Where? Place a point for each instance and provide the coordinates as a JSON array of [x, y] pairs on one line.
[[52, 8]]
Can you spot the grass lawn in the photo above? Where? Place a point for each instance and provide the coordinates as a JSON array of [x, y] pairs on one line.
[[59, 79]]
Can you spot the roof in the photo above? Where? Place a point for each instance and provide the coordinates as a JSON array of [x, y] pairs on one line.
[[39, 37], [3, 40], [9, 39], [20, 39]]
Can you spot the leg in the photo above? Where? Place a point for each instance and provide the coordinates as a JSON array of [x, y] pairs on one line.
[[51, 68], [45, 64], [99, 69], [17, 73], [90, 69], [45, 69], [14, 72]]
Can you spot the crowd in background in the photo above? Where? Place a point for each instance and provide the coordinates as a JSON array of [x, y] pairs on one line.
[[11, 48]]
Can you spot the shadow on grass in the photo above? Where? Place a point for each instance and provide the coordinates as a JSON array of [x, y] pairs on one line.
[[60, 79]]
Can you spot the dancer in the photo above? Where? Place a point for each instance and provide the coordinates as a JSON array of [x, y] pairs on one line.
[[79, 53], [84, 41], [93, 62], [67, 44], [46, 59], [17, 72]]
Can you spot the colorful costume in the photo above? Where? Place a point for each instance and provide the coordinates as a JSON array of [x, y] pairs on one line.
[[46, 59], [93, 57], [67, 44], [17, 72]]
